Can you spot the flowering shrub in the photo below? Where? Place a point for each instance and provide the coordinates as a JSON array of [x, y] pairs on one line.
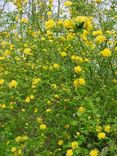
[[58, 81]]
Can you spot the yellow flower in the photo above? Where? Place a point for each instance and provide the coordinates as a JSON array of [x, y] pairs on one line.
[[6, 53], [49, 24], [1, 82], [68, 3], [60, 142], [63, 54], [74, 145], [36, 81], [101, 135], [27, 51], [79, 82], [21, 138], [100, 39], [98, 128], [94, 152], [98, 1], [106, 52], [13, 149], [68, 24], [43, 126], [79, 59], [24, 137], [115, 48], [3, 105], [69, 152], [98, 32], [77, 69], [56, 66], [27, 100], [49, 102], [80, 19], [107, 128], [32, 97], [18, 139], [23, 110], [2, 58], [19, 152], [115, 72], [81, 109], [39, 120], [88, 24], [24, 20], [49, 13], [13, 84], [53, 86], [35, 110], [48, 110], [78, 133], [60, 22]]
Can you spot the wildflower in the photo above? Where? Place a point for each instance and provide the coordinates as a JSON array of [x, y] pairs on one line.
[[60, 22], [32, 97], [13, 149], [2, 58], [88, 24], [79, 82], [69, 152], [53, 86], [23, 110], [78, 133], [35, 110], [19, 152], [107, 128], [27, 100], [115, 48], [56, 66], [39, 120], [98, 32], [35, 81], [18, 139], [6, 53], [49, 13], [106, 52], [49, 102], [98, 128], [80, 19], [43, 126], [24, 20], [79, 59], [3, 105], [63, 54], [68, 3], [48, 110], [94, 152], [74, 145], [60, 142], [100, 39], [101, 135], [77, 69], [13, 84], [24, 138], [68, 24], [1, 82], [98, 1], [49, 24], [27, 51], [21, 138], [81, 109]]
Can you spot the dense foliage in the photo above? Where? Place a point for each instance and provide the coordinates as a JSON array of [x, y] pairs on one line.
[[58, 78]]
